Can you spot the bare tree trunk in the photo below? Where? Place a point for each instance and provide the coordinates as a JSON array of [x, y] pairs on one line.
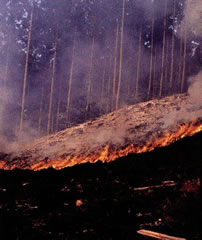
[[138, 65], [172, 54], [52, 123], [115, 67], [163, 50], [90, 78], [52, 88], [166, 62], [109, 87], [58, 108], [41, 109], [102, 88], [70, 83], [184, 59], [180, 65], [154, 73], [151, 60], [7, 61], [25, 72], [121, 55]]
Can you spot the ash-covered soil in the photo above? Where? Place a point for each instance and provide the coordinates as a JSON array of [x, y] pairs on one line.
[[157, 191]]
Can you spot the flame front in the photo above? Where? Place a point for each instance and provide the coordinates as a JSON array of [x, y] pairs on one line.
[[107, 154]]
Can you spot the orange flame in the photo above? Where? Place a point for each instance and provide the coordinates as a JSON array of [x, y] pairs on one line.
[[106, 154]]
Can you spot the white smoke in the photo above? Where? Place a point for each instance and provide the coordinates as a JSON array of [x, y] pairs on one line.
[[195, 90], [192, 20], [191, 110]]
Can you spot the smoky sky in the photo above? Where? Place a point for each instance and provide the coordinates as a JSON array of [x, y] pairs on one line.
[[90, 24]]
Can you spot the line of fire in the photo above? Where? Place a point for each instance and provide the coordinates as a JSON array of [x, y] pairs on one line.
[[103, 98]]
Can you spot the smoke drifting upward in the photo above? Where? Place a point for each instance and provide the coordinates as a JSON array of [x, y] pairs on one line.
[[195, 90], [190, 26], [186, 112], [5, 100], [76, 60], [6, 122], [192, 21]]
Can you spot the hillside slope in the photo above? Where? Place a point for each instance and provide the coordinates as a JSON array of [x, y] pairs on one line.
[[134, 129]]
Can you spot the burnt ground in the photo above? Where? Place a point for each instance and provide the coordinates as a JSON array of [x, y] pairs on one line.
[[106, 201]]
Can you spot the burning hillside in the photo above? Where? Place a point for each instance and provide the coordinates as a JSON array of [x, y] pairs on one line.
[[134, 129]]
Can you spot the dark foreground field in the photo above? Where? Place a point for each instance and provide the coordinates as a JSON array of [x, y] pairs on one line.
[[157, 191]]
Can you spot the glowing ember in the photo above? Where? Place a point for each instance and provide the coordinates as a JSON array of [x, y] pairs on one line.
[[79, 203]]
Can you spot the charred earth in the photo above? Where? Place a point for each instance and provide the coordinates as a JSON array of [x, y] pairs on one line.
[[157, 191]]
